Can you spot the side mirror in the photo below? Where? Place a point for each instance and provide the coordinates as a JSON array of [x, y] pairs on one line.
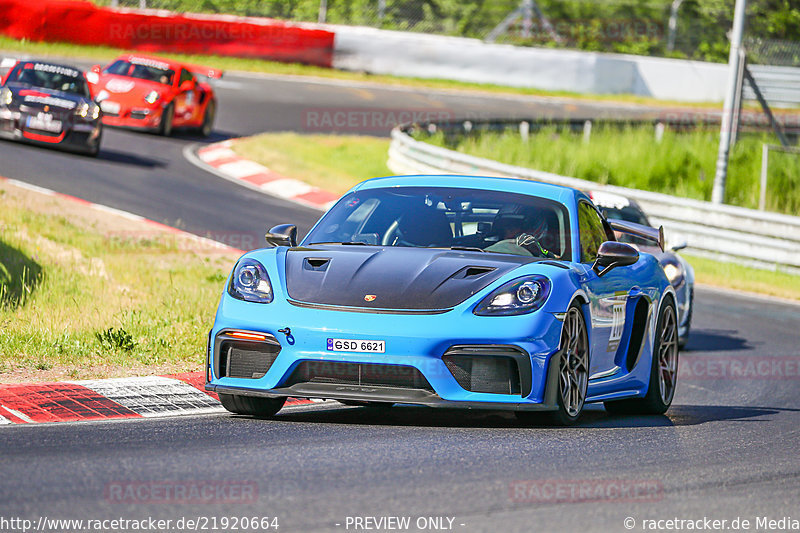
[[282, 235], [613, 254], [187, 85]]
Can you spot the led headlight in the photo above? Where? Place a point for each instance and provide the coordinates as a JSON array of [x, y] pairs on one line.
[[95, 112], [152, 97], [523, 295], [82, 110], [250, 282], [673, 270], [6, 96]]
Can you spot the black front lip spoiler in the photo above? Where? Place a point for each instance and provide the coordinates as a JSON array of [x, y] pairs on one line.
[[330, 391]]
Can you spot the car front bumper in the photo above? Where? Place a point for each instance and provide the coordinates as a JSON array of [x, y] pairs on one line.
[[413, 368]]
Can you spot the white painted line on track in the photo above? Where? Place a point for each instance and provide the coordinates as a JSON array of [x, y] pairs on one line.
[[113, 211], [154, 396], [4, 420], [35, 188]]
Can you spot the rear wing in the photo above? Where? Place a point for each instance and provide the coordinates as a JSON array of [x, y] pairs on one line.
[[200, 70], [639, 230]]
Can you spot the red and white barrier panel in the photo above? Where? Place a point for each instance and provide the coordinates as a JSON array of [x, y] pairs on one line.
[[82, 22]]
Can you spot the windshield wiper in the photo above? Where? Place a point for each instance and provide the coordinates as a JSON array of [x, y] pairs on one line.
[[467, 248], [346, 243]]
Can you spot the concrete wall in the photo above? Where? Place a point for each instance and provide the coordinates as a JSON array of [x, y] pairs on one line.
[[471, 60]]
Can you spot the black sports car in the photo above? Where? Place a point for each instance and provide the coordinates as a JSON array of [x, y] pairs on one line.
[[49, 104]]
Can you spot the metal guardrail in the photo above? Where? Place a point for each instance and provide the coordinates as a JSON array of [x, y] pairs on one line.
[[745, 236], [780, 85]]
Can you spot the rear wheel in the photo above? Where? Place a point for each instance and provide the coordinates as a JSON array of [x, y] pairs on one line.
[[249, 405], [663, 369], [208, 119]]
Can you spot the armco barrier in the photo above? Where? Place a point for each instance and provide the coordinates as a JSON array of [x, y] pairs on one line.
[[81, 22], [746, 236]]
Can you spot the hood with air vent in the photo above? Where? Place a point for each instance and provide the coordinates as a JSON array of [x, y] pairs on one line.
[[391, 278]]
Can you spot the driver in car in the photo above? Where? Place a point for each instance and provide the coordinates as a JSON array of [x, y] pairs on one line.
[[517, 239]]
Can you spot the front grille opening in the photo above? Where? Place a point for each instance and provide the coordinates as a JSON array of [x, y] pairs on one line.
[[491, 374], [368, 374], [246, 360]]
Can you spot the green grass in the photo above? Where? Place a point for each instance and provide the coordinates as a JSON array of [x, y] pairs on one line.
[[733, 276], [682, 164], [77, 302], [331, 162], [103, 54]]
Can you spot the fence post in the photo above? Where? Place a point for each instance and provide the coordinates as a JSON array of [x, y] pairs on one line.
[[762, 197]]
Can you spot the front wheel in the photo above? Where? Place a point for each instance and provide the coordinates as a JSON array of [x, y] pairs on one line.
[[573, 371], [663, 369], [249, 405], [167, 117]]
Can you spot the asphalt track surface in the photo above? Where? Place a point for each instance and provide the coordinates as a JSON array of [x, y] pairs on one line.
[[726, 449]]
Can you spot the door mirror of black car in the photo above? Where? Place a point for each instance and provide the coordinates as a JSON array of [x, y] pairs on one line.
[[282, 235], [613, 254]]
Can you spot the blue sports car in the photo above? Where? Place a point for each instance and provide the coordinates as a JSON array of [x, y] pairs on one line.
[[450, 291]]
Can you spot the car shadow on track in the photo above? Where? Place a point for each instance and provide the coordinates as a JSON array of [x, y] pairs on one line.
[[127, 158], [593, 417], [716, 340]]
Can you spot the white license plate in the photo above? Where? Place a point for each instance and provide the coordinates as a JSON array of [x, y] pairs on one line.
[[44, 122], [110, 107], [360, 346]]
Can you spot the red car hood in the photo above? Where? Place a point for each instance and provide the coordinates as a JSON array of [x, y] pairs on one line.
[[126, 90]]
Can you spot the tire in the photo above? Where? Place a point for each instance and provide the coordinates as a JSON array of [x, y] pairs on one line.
[[663, 370], [249, 405], [207, 128], [167, 117], [573, 375]]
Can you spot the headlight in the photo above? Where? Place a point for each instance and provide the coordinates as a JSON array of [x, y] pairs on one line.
[[82, 110], [152, 97], [95, 112], [674, 271], [523, 295], [6, 96], [250, 282]]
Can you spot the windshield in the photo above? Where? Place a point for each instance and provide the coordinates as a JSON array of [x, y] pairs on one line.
[[53, 77], [490, 221], [143, 69], [628, 214]]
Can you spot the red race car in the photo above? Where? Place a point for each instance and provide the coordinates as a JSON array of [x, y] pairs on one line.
[[154, 94]]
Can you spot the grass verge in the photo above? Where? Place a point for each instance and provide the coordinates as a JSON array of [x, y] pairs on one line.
[[85, 294], [336, 163], [102, 54]]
